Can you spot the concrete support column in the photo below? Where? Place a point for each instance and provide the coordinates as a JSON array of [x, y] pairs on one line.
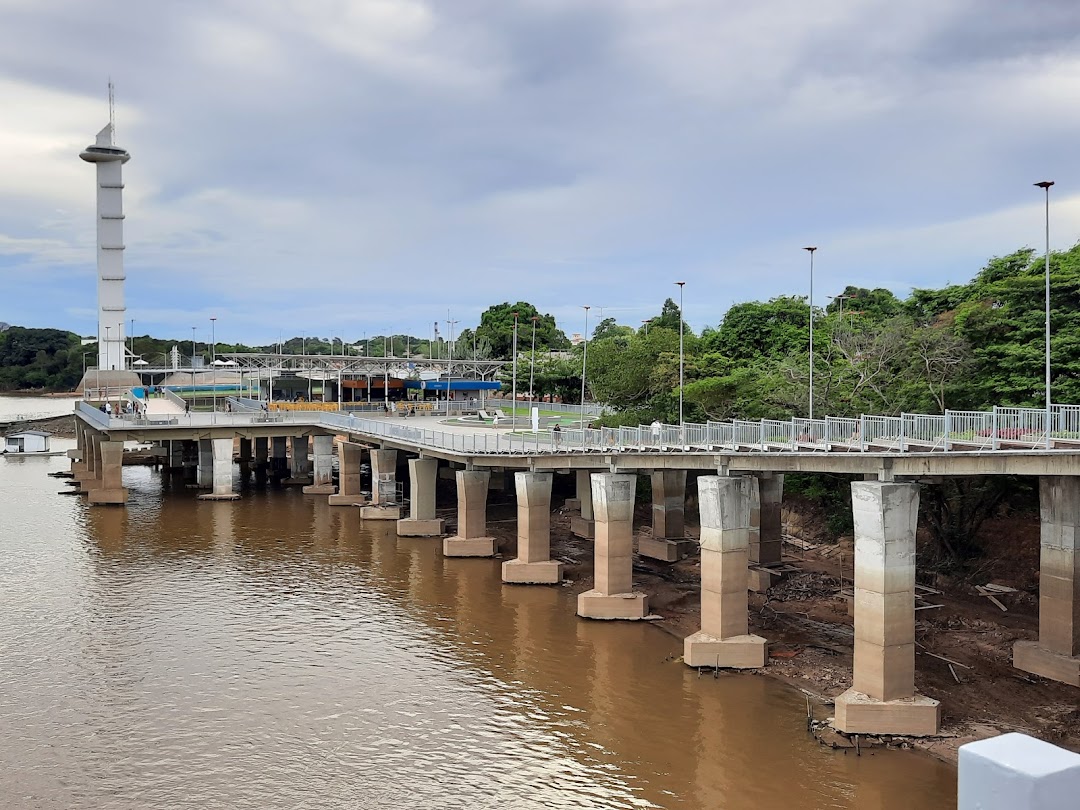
[[724, 639], [78, 455], [583, 525], [384, 498], [613, 595], [322, 470], [1056, 655], [421, 522], [175, 458], [668, 541], [350, 455], [245, 458], [300, 470], [766, 545], [111, 480], [262, 457], [882, 699], [1016, 772], [85, 470], [279, 462], [533, 564], [471, 539], [222, 477], [206, 464]]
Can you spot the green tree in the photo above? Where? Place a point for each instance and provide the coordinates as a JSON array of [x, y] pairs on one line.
[[497, 329]]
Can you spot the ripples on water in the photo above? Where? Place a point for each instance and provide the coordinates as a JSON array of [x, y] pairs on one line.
[[273, 652]]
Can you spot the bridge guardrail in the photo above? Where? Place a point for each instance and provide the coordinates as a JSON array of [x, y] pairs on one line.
[[981, 431]]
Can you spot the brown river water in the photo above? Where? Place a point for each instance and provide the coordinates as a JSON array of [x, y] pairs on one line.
[[275, 652]]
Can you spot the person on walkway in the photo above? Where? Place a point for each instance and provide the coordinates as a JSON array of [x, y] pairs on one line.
[[556, 434], [656, 426], [187, 407]]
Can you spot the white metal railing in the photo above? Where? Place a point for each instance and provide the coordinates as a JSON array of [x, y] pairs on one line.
[[175, 398], [1001, 429]]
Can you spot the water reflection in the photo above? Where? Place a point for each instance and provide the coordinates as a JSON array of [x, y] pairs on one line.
[[274, 651]]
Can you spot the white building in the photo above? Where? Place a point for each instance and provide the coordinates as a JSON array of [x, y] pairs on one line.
[[27, 441]]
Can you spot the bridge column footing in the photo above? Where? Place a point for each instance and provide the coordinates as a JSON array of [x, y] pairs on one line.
[[572, 504], [469, 547], [348, 500], [212, 496], [735, 652], [519, 572], [625, 606], [380, 512], [1030, 657], [104, 497], [917, 716], [666, 549], [416, 527], [582, 527], [319, 489]]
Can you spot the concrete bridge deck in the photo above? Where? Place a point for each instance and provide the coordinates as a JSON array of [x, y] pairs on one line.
[[716, 446]]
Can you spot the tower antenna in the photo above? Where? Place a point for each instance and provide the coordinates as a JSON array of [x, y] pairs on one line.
[[112, 115]]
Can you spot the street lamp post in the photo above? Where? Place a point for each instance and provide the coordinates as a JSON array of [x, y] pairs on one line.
[[513, 413], [1045, 186], [681, 285], [193, 365], [811, 250], [532, 368], [450, 357], [213, 363], [132, 338], [584, 357]]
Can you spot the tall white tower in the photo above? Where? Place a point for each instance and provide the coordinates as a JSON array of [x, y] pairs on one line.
[[110, 246]]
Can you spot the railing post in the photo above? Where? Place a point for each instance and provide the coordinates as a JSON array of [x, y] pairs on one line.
[[948, 429], [761, 435], [994, 429], [862, 432], [903, 433]]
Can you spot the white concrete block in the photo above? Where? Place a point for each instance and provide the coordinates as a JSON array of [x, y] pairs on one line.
[[1017, 772]]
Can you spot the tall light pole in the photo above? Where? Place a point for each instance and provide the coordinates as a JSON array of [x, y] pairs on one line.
[[532, 367], [513, 413], [133, 338], [584, 356], [681, 284], [449, 357], [193, 365], [213, 362], [811, 250], [1045, 186]]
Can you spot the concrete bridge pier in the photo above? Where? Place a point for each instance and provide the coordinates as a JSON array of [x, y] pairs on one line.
[[583, 525], [300, 465], [384, 500], [245, 459], [262, 458], [725, 639], [471, 539], [421, 522], [206, 464], [668, 542], [533, 564], [1056, 655], [110, 489], [78, 455], [279, 462], [613, 595], [189, 449], [882, 699], [350, 455], [766, 544], [221, 478], [322, 469], [90, 477], [174, 459], [83, 470]]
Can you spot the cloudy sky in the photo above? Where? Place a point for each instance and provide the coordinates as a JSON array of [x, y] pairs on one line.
[[359, 166]]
